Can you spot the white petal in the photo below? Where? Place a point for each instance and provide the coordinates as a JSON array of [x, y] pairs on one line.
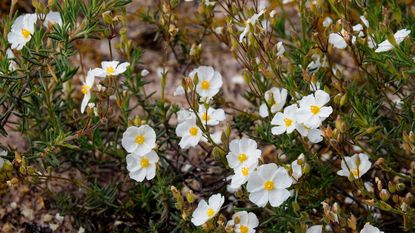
[[337, 41], [278, 196], [260, 198]]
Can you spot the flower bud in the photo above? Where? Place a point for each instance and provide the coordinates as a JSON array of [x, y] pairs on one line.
[[384, 195]]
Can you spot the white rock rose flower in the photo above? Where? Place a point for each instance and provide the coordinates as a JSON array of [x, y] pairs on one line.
[[206, 211], [368, 228], [142, 166], [209, 81], [250, 22], [22, 31], [276, 98], [86, 89], [184, 115], [242, 152], [337, 40], [269, 183], [111, 68], [315, 229], [189, 132], [399, 36], [356, 167], [52, 18], [286, 121], [244, 222], [313, 135], [312, 109], [211, 116], [139, 140], [242, 174]]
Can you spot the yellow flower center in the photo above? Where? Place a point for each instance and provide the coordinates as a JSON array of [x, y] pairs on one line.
[[110, 70], [25, 33], [315, 109], [144, 162], [242, 157], [288, 122], [245, 171], [205, 117], [139, 139], [193, 131], [355, 172], [210, 212], [243, 229], [269, 185], [205, 85], [85, 89]]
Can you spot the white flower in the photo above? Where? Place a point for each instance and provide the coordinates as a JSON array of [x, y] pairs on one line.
[[244, 222], [211, 116], [285, 122], [12, 64], [337, 40], [216, 137], [139, 140], [242, 174], [184, 115], [280, 49], [86, 89], [142, 166], [312, 110], [327, 21], [53, 18], [296, 168], [2, 153], [269, 183], [251, 21], [358, 164], [206, 211], [242, 152], [209, 81], [276, 98], [22, 31], [399, 37], [368, 228], [315, 229], [314, 135], [111, 68], [189, 132]]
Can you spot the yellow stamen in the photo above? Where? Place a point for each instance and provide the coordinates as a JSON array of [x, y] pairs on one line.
[[205, 117], [210, 212], [355, 172], [85, 89], [25, 33], [243, 229], [193, 131], [288, 122], [242, 157], [205, 85], [144, 162], [245, 171], [110, 70], [315, 109], [269, 185], [139, 139]]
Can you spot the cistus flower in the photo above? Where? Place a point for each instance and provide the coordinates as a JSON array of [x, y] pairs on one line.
[[275, 98], [184, 115], [211, 116], [242, 174], [209, 81], [312, 109], [86, 89], [286, 121], [250, 22], [52, 18], [368, 228], [22, 31], [356, 167], [313, 135], [242, 152], [337, 40], [399, 36], [297, 170], [206, 211], [142, 166], [189, 132], [243, 222], [111, 68], [315, 229], [269, 183], [139, 140]]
